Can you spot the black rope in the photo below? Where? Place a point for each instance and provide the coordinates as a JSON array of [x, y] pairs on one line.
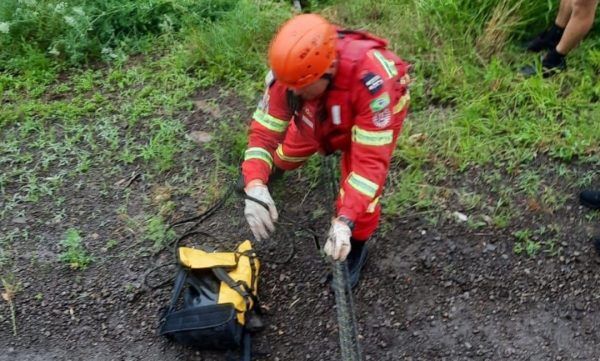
[[233, 188]]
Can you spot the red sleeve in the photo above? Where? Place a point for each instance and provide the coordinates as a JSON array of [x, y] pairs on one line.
[[268, 126], [380, 97]]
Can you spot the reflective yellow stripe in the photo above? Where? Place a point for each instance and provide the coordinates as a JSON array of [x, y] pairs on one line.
[[388, 65], [367, 137], [402, 103], [363, 185], [288, 158], [269, 121], [259, 153], [372, 205]]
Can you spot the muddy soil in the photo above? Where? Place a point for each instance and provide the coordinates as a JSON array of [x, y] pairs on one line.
[[429, 292]]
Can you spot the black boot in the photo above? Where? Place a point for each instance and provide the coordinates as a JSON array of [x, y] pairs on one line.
[[590, 199], [357, 258], [553, 63], [547, 39], [596, 241]]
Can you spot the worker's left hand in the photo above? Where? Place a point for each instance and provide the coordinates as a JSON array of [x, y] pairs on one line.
[[338, 240]]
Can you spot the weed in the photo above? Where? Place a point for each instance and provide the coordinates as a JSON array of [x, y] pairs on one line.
[[470, 200], [525, 243], [80, 31], [164, 144], [74, 254], [11, 288], [111, 243], [157, 232]]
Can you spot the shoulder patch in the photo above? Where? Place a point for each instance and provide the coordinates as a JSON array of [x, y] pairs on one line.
[[380, 103], [373, 82]]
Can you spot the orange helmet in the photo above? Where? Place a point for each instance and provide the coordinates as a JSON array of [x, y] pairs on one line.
[[302, 50]]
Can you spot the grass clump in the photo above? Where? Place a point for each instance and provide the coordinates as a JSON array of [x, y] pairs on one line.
[[158, 232], [74, 253]]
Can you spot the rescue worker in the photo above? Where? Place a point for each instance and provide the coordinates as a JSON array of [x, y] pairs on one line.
[[574, 20], [328, 89]]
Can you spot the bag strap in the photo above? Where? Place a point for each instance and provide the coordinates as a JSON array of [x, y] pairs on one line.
[[223, 276], [179, 282], [251, 254], [246, 347]]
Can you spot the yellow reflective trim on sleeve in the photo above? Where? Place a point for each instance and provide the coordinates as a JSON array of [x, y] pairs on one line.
[[363, 185], [367, 137], [270, 122], [372, 205], [287, 158], [259, 153], [403, 102], [388, 65]]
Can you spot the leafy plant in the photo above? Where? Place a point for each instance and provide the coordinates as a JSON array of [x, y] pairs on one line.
[[525, 243], [74, 253]]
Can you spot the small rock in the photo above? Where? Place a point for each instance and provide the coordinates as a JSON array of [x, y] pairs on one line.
[[19, 220], [208, 107], [468, 346], [489, 248], [461, 217], [199, 137], [579, 306]]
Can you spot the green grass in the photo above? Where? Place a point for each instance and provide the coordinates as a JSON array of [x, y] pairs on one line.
[[74, 253], [156, 231], [479, 139]]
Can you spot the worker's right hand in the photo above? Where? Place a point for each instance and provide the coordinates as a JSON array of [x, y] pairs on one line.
[[260, 219]]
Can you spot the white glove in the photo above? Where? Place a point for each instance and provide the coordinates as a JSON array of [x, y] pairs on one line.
[[338, 241], [261, 220]]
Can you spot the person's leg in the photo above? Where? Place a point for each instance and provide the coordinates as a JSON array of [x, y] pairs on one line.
[[590, 198], [579, 24], [550, 37], [564, 13]]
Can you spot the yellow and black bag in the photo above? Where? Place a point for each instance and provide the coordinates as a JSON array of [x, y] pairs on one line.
[[214, 301]]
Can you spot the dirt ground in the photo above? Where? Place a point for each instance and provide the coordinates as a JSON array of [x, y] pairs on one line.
[[429, 292]]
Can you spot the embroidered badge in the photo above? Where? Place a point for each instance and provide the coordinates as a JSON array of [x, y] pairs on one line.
[[373, 82], [380, 103], [382, 119]]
